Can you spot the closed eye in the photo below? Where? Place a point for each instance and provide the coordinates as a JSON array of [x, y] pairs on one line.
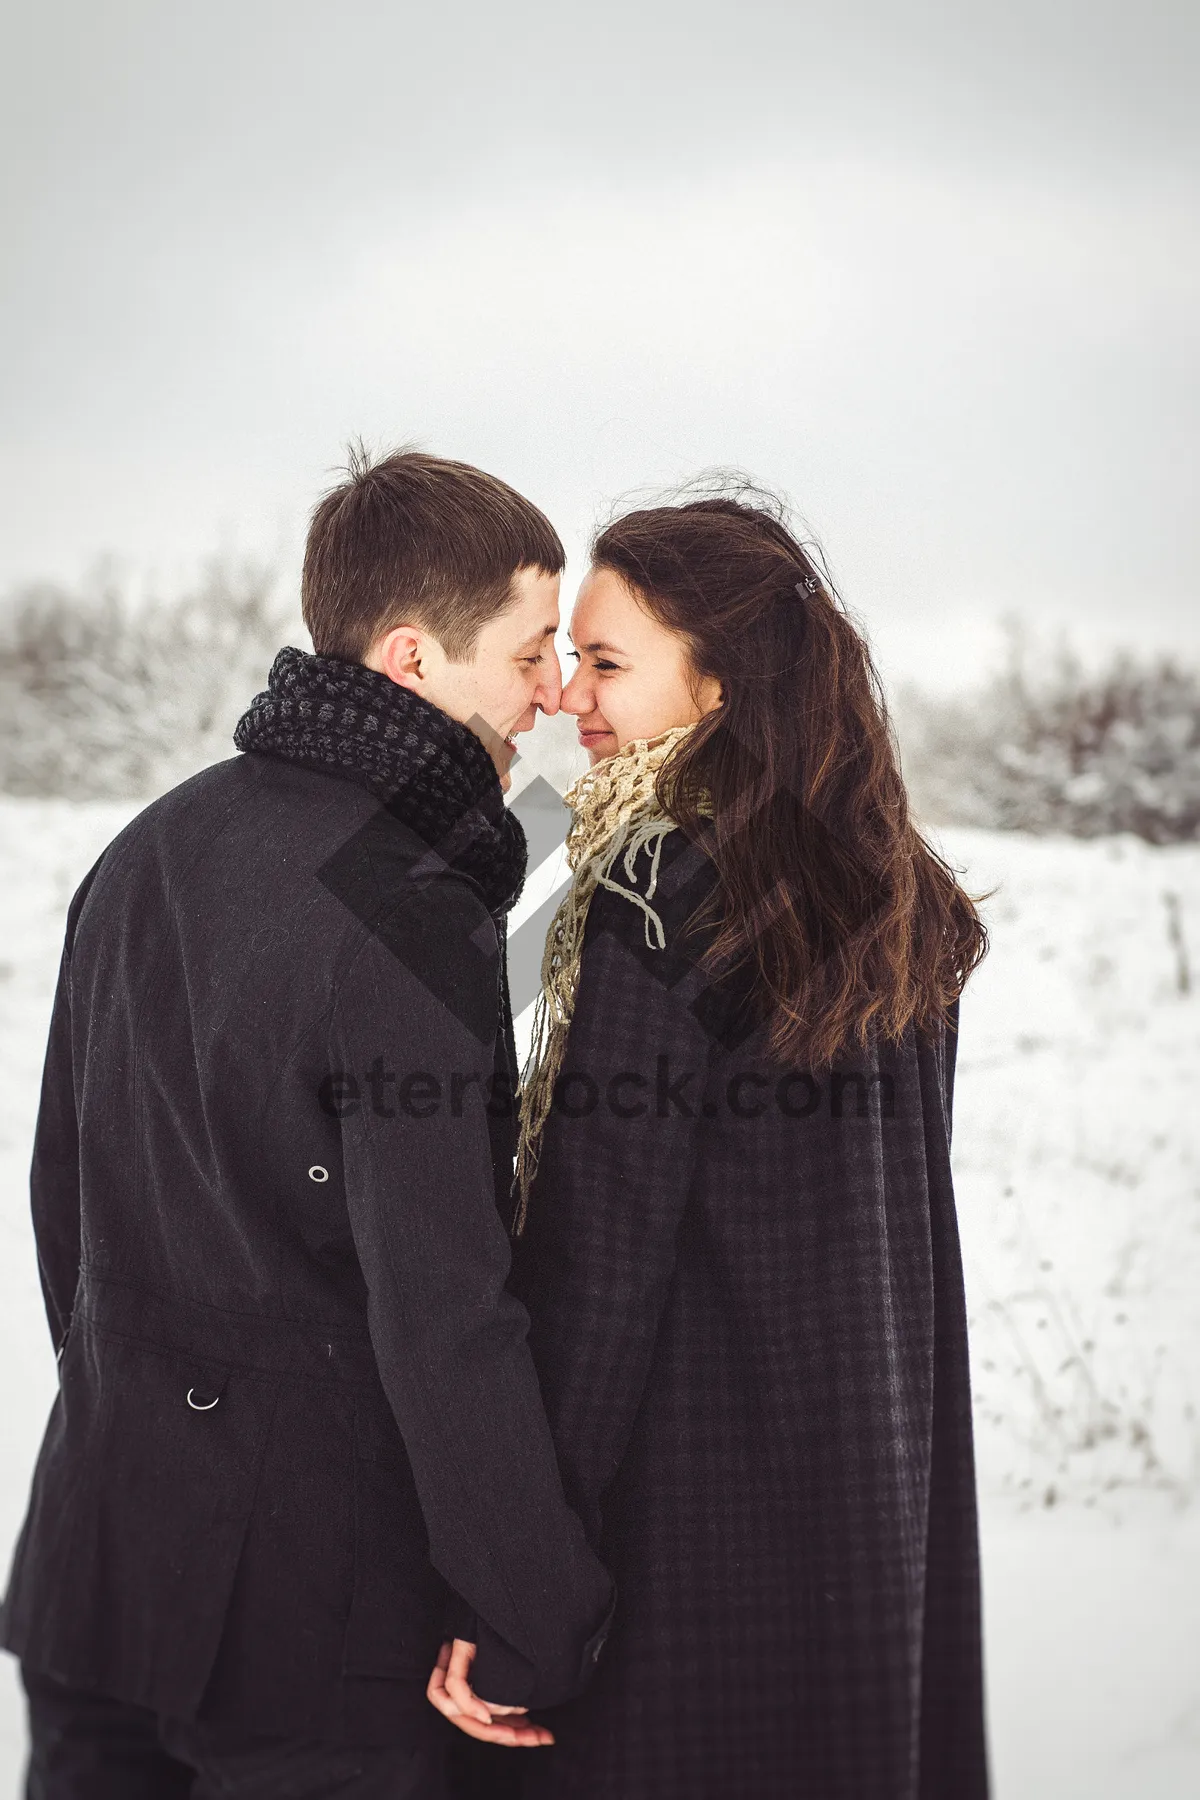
[[598, 664]]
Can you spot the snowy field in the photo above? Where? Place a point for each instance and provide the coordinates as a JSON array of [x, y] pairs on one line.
[[1077, 1155]]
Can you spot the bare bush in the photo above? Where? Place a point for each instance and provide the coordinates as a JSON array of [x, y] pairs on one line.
[[104, 696], [1051, 746]]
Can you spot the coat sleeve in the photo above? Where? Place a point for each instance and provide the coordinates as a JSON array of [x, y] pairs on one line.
[[951, 1061], [594, 1264], [54, 1173], [419, 1005], [937, 1057]]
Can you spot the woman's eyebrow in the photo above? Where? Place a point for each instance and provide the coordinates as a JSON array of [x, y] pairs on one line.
[[612, 649]]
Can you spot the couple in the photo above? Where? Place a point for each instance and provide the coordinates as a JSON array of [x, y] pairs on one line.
[[411, 1441]]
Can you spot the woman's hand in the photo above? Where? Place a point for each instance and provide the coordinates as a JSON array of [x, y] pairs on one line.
[[451, 1692]]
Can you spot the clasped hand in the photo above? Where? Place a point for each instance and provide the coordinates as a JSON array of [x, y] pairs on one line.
[[451, 1692]]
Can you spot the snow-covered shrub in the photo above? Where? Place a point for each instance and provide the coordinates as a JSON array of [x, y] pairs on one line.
[[1057, 747], [103, 695]]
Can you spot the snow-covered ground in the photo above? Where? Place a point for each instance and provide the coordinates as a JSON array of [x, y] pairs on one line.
[[1077, 1154]]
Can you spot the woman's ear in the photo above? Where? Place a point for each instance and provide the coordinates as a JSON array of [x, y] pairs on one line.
[[709, 695], [705, 690]]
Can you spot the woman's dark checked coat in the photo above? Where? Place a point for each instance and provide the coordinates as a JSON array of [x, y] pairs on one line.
[[751, 1338]]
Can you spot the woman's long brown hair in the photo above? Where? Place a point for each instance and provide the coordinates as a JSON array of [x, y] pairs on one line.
[[850, 923]]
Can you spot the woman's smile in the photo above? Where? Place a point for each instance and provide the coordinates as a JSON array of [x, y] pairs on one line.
[[594, 735]]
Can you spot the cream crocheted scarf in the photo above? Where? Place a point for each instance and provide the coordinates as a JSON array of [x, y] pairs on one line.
[[616, 815]]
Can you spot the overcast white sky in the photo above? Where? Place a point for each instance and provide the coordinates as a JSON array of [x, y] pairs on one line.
[[933, 270]]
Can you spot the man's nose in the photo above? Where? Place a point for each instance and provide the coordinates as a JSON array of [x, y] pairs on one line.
[[549, 691]]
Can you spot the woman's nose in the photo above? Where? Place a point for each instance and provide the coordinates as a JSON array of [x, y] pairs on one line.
[[576, 697]]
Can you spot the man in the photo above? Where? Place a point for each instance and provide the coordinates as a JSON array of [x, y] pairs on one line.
[[298, 1441]]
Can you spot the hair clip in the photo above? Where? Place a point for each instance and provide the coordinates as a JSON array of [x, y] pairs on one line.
[[808, 586]]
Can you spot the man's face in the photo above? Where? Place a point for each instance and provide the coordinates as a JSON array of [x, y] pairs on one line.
[[514, 670]]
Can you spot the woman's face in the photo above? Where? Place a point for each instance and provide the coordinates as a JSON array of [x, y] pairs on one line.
[[633, 679]]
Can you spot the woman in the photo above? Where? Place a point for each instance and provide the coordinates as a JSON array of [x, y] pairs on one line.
[[737, 1237]]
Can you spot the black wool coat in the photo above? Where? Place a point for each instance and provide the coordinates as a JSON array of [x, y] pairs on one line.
[[298, 1425], [749, 1324]]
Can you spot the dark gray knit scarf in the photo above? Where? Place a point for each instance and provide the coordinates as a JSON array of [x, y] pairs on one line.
[[432, 773]]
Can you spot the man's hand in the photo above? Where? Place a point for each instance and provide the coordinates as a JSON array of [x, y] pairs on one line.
[[451, 1692]]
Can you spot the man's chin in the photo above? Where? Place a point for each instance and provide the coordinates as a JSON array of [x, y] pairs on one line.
[[504, 754]]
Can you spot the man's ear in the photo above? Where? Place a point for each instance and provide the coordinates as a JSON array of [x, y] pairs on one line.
[[400, 655]]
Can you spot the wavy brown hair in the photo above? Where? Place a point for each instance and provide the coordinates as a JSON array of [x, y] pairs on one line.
[[847, 920]]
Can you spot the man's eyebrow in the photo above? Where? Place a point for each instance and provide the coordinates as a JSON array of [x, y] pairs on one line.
[[539, 637]]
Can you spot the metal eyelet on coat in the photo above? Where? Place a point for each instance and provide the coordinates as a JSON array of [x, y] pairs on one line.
[[200, 1405], [317, 1173]]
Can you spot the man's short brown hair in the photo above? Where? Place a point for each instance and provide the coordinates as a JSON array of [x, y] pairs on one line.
[[413, 539]]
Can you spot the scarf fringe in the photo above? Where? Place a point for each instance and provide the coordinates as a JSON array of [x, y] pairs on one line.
[[617, 815]]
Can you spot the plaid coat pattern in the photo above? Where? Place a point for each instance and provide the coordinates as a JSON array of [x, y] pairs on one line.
[[749, 1326]]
